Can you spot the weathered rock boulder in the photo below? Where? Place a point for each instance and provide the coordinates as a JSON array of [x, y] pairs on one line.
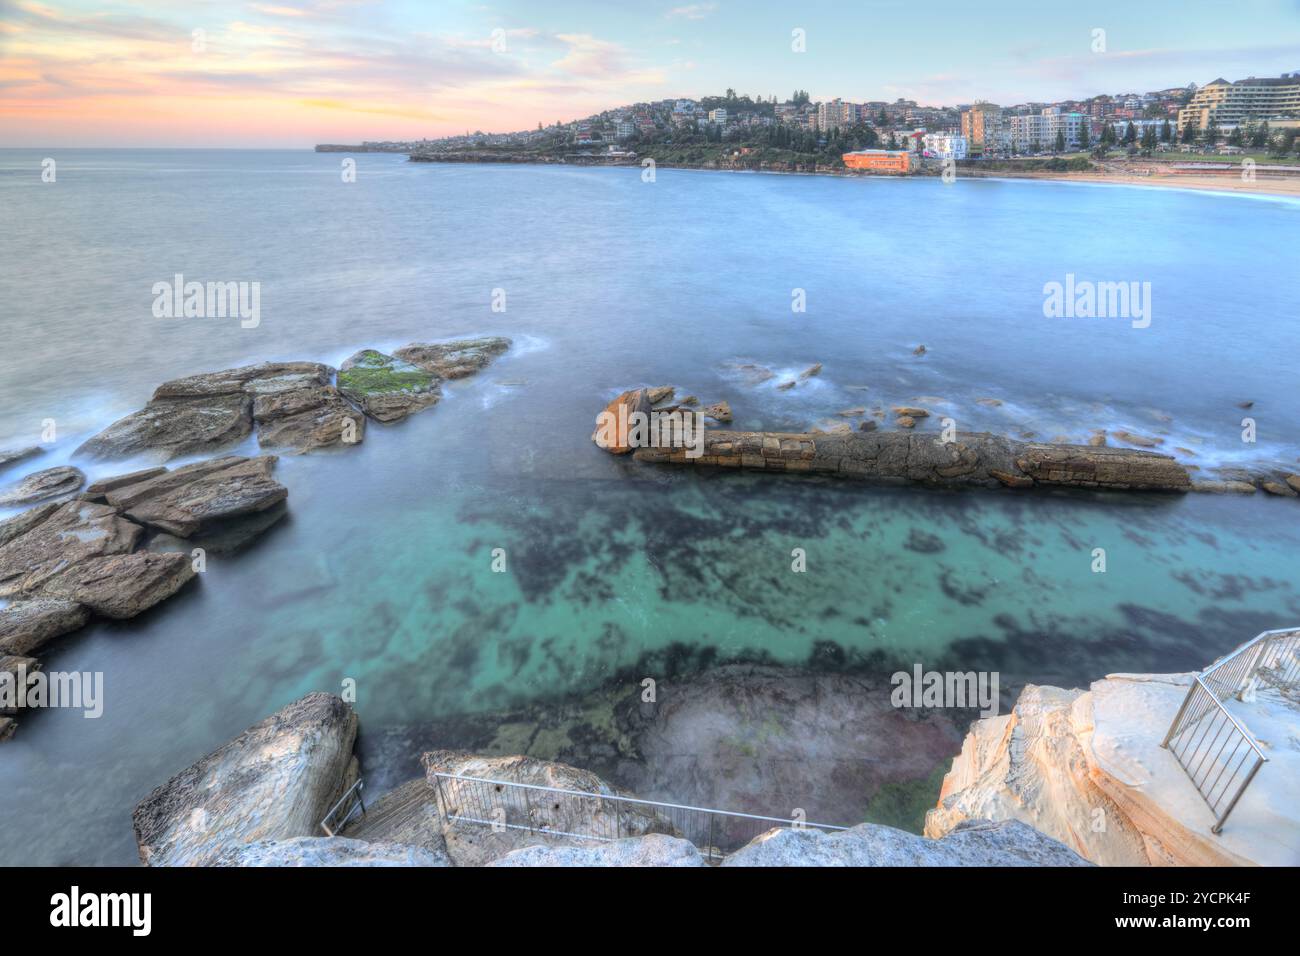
[[718, 411], [98, 491], [387, 388], [304, 419], [72, 534], [273, 782], [657, 849], [975, 844], [457, 359], [42, 486], [27, 626], [328, 851], [527, 821], [612, 425], [23, 522], [167, 428], [122, 585], [190, 498], [1087, 768], [265, 378]]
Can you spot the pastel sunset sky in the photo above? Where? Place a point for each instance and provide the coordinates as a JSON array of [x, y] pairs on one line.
[[287, 74]]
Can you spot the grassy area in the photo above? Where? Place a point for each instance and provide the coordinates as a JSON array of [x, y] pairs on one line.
[[375, 372]]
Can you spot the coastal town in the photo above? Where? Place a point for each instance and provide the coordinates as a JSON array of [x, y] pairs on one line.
[[1257, 117]]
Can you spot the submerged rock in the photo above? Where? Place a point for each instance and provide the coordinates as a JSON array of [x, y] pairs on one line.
[[11, 456], [386, 388], [273, 782], [811, 371], [660, 394], [42, 486], [1141, 441], [975, 844], [719, 412], [451, 360]]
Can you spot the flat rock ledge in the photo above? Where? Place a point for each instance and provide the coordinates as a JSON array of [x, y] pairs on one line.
[[971, 459], [296, 406], [62, 563]]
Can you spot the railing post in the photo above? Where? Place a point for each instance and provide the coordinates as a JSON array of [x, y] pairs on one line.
[[1218, 826], [1173, 728]]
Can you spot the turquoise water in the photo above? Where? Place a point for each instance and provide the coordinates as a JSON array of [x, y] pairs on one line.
[[382, 573]]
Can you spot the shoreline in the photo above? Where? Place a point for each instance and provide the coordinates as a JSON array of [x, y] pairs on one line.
[[1229, 183]]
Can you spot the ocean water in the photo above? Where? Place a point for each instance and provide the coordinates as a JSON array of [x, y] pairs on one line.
[[382, 572]]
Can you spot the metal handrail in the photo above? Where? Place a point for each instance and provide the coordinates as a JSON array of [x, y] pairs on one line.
[[354, 793], [711, 813], [1239, 677]]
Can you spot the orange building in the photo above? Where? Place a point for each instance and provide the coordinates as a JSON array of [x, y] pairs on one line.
[[879, 160]]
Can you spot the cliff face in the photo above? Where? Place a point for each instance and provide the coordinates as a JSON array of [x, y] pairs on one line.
[[1087, 768]]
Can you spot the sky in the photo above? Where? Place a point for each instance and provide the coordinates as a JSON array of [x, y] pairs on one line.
[[216, 73]]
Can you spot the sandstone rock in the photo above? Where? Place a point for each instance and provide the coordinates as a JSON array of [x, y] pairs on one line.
[[1224, 487], [811, 370], [261, 379], [527, 821], [229, 536], [1097, 439], [1012, 481], [23, 522], [183, 501], [719, 412], [919, 350], [910, 411], [852, 412], [273, 782], [122, 585], [613, 436], [976, 844], [1063, 760], [786, 386], [27, 626], [1141, 441], [656, 849], [328, 851], [99, 490], [1294, 482], [7, 727], [1278, 488], [73, 533], [661, 394], [689, 400], [906, 421], [831, 427], [305, 419], [990, 402], [171, 427], [42, 486], [11, 456], [386, 388], [457, 359], [867, 426]]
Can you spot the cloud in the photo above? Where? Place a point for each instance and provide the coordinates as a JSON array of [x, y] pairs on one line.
[[692, 11]]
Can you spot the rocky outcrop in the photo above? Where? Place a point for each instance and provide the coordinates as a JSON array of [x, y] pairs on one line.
[[42, 486], [386, 388], [27, 626], [170, 427], [975, 844], [60, 563], [612, 434], [972, 458], [184, 501], [458, 359], [657, 849], [525, 822], [273, 782], [328, 851], [1087, 768]]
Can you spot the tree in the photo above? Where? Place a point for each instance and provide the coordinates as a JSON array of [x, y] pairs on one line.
[[883, 118], [1235, 138], [1210, 136], [1060, 141], [1130, 134], [1189, 133], [1149, 138], [1259, 139], [1084, 137], [1166, 133]]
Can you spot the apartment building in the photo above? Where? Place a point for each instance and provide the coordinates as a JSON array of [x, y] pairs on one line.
[[981, 125], [945, 146], [1232, 104]]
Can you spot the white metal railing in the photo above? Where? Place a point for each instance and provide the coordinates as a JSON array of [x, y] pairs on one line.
[[603, 817], [350, 804], [1219, 754]]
